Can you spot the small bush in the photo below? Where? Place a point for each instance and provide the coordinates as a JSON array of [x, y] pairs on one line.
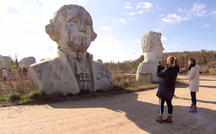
[[36, 94], [12, 97]]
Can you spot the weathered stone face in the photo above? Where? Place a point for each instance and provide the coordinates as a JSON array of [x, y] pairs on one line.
[[73, 69], [151, 41], [72, 28], [153, 51]]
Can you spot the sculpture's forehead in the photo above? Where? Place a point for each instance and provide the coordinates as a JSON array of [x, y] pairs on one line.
[[78, 13]]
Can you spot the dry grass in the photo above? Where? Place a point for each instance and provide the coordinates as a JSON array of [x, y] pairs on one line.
[[19, 85], [128, 82], [212, 71], [123, 80]]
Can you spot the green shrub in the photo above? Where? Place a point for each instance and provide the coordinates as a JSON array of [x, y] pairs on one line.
[[37, 94], [14, 96]]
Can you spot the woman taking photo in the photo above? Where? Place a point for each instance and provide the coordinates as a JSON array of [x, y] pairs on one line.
[[167, 87], [193, 83]]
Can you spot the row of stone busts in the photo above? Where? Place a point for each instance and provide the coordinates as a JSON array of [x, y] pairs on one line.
[[73, 69]]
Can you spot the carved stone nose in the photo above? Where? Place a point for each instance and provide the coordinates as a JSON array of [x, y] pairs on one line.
[[82, 28]]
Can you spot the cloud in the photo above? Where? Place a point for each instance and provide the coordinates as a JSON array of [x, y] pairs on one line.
[[12, 10], [131, 13], [144, 5], [103, 46], [172, 18], [12, 14], [122, 20], [106, 28], [119, 20], [106, 40], [137, 40], [127, 5], [163, 38], [198, 9], [213, 13], [141, 7], [157, 30], [140, 12], [131, 19], [208, 25]]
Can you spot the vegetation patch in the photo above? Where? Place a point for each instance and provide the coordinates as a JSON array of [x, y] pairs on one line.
[[13, 97], [35, 95]]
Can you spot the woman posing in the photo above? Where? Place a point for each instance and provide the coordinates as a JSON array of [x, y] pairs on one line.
[[167, 87], [193, 83]]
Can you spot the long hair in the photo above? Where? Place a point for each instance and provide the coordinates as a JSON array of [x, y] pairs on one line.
[[192, 63], [174, 61]]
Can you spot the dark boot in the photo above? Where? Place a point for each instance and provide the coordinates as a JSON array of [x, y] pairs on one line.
[[168, 119], [191, 106], [193, 109], [159, 119]]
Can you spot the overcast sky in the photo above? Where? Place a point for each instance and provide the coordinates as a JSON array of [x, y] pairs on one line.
[[186, 25]]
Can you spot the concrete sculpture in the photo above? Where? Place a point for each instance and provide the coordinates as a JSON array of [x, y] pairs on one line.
[[5, 61], [153, 51], [73, 69], [26, 62]]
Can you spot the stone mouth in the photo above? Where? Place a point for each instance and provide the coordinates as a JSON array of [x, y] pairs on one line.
[[78, 47]]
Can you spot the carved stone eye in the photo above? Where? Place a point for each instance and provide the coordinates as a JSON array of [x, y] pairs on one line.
[[88, 23], [74, 21]]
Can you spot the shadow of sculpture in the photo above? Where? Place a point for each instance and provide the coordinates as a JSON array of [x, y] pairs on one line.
[[143, 114]]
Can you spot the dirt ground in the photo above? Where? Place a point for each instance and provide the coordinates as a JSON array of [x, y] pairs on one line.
[[132, 113]]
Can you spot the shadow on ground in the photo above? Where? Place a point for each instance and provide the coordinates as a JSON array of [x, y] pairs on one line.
[[202, 79], [203, 101], [207, 86], [143, 114], [206, 80], [180, 84]]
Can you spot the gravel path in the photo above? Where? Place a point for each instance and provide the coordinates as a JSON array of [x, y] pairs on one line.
[[132, 113]]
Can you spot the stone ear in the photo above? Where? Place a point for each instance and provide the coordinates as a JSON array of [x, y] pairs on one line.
[[94, 35], [160, 35], [52, 32]]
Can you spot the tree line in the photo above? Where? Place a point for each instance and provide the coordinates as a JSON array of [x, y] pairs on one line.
[[206, 59]]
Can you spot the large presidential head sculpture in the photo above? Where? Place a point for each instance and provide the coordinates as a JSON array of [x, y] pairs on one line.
[[72, 28], [73, 69]]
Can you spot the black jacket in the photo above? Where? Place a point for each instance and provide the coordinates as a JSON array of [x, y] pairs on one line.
[[168, 79]]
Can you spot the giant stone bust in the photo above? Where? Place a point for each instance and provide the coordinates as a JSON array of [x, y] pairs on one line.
[[153, 51], [73, 69]]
